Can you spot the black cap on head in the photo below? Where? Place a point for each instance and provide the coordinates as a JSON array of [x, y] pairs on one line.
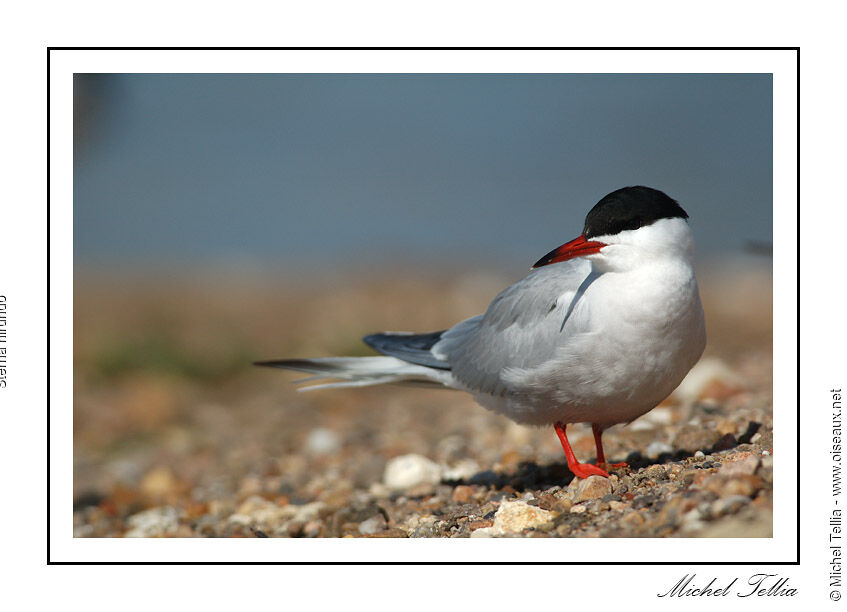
[[628, 209]]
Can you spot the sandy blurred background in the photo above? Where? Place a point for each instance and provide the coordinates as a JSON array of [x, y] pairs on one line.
[[222, 219]]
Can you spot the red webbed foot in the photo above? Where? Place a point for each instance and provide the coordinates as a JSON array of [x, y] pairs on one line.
[[584, 470]]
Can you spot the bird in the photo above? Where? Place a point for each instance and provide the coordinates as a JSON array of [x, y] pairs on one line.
[[601, 330]]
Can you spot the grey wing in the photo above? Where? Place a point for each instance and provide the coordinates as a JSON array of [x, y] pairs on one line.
[[523, 327]]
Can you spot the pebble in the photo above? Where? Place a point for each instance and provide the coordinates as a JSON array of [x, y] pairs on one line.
[[259, 511], [153, 523], [479, 524], [373, 525], [726, 426], [379, 490], [422, 489], [692, 521], [699, 455], [250, 485], [158, 482], [432, 530], [765, 471], [464, 469], [483, 532], [655, 472], [462, 494], [746, 485], [723, 486], [515, 516], [407, 471], [593, 487], [322, 441], [729, 505], [746, 465], [221, 507], [417, 521], [312, 529]]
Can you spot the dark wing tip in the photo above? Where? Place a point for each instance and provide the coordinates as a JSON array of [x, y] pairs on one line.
[[375, 341], [267, 364], [279, 363]]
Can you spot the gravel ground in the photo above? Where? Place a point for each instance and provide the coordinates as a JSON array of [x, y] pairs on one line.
[[176, 436]]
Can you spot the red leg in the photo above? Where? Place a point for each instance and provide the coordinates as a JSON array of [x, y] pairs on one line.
[[601, 456], [580, 470]]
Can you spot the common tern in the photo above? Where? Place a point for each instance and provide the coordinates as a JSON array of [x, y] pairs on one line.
[[601, 330]]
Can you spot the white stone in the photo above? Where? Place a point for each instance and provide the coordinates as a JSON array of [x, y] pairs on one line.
[[692, 521], [322, 441], [461, 470], [256, 510], [408, 471], [729, 505], [416, 522], [305, 512], [515, 516], [482, 532], [373, 525], [153, 523]]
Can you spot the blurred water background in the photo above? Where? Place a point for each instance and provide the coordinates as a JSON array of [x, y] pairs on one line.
[[313, 173]]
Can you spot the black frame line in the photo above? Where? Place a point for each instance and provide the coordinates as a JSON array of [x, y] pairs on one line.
[[710, 563]]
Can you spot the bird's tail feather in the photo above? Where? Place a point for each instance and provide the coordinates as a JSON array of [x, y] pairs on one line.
[[359, 371]]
